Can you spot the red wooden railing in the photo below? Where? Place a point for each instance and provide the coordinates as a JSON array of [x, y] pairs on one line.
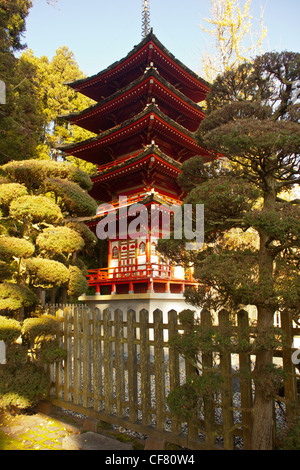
[[134, 272], [130, 272]]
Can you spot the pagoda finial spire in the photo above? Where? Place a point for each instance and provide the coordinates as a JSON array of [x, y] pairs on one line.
[[145, 18]]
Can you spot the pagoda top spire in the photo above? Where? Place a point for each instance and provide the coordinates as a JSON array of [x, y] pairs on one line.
[[145, 18]]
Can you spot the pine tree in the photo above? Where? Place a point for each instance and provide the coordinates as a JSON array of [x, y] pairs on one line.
[[21, 117], [57, 99], [253, 123]]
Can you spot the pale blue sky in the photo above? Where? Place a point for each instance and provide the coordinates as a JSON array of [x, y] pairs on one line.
[[99, 32]]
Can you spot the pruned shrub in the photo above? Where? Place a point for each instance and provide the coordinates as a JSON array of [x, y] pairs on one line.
[[53, 353], [36, 209], [78, 284], [24, 387], [10, 329], [15, 247], [35, 329], [59, 240], [14, 296], [23, 379], [46, 272]]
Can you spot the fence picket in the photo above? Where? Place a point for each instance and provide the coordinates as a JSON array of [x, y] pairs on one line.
[[67, 345], [132, 366], [245, 380], [59, 366], [85, 356], [173, 365], [207, 365], [190, 371], [97, 372], [225, 367], [77, 358], [145, 367], [107, 362], [290, 385], [119, 362], [159, 369], [116, 370]]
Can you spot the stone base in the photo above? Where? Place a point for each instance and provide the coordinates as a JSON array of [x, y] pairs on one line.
[[93, 441], [148, 301], [90, 424], [44, 407], [155, 444]]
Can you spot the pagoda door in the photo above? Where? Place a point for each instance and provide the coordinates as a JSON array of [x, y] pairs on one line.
[[127, 258]]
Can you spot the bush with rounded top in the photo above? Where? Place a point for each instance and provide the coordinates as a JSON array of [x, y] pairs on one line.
[[34, 328], [36, 209], [24, 387], [14, 296], [10, 329]]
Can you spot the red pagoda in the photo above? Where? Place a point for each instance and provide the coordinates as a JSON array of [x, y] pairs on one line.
[[145, 114]]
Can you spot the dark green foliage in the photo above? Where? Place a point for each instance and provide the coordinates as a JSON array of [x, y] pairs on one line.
[[43, 202], [33, 173], [282, 223], [290, 439], [6, 271], [71, 198], [23, 380], [226, 200], [12, 21], [16, 355], [22, 119], [35, 209], [46, 272], [78, 284], [22, 387], [15, 247], [10, 329], [251, 219], [8, 192], [34, 329], [187, 401], [14, 296], [88, 236], [53, 353], [59, 240]]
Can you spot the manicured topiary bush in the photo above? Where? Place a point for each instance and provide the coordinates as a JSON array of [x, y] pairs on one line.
[[78, 284], [14, 296], [10, 330], [22, 387], [23, 380], [37, 329], [53, 353]]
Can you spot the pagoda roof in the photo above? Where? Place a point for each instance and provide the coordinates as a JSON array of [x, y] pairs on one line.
[[150, 155], [150, 168], [141, 130], [149, 51], [132, 98]]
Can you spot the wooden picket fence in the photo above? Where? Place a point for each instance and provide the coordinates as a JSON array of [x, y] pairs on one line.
[[120, 369]]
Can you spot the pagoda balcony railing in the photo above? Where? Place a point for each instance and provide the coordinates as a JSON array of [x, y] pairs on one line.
[[136, 198], [150, 270], [117, 204], [115, 163]]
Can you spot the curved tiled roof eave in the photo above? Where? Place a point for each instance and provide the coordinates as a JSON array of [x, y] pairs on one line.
[[148, 110], [84, 82], [147, 75]]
